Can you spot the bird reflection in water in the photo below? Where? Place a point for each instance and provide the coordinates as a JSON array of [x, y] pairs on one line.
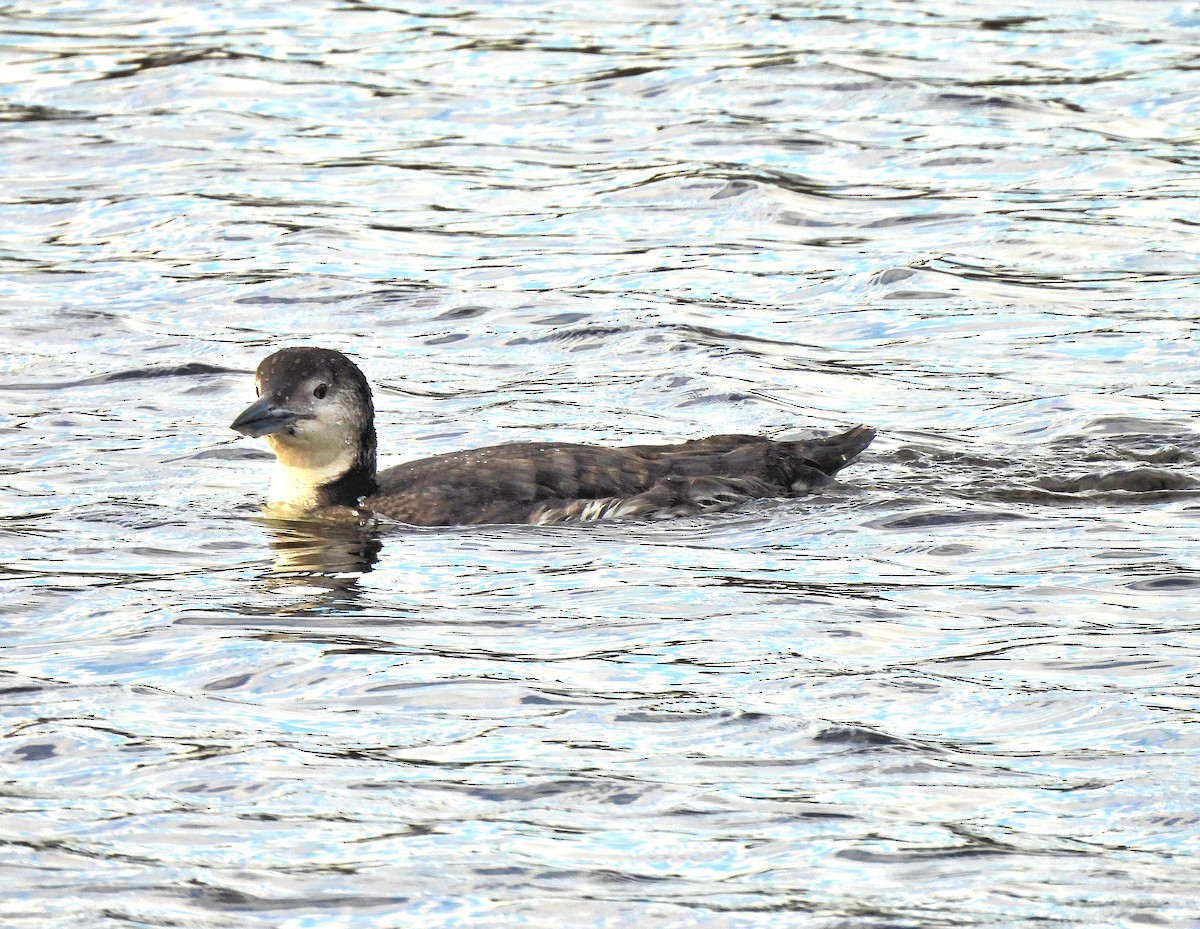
[[322, 553]]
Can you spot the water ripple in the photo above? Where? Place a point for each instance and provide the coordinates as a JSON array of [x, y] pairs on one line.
[[956, 688]]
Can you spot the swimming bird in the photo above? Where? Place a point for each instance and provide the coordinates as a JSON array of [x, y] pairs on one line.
[[315, 410]]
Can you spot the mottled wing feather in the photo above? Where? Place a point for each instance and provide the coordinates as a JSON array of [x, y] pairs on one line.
[[549, 482]]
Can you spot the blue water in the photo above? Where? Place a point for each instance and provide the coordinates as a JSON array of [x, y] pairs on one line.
[[961, 687]]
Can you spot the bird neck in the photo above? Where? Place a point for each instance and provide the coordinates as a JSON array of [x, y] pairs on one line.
[[350, 488], [296, 483]]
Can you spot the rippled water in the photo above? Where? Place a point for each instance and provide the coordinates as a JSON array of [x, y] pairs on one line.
[[960, 688]]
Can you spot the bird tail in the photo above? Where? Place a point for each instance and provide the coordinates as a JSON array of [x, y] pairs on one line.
[[832, 453]]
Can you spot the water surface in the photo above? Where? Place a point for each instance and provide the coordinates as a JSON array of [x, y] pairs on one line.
[[959, 688]]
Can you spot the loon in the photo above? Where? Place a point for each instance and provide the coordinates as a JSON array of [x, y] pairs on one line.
[[314, 408]]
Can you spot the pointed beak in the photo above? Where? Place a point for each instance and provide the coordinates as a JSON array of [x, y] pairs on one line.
[[263, 417]]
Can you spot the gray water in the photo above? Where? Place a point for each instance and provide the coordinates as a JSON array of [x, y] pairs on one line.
[[961, 687]]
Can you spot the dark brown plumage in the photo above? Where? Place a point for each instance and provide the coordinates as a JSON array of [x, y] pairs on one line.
[[315, 410]]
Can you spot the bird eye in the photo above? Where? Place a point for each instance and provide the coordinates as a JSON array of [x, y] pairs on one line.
[[320, 391]]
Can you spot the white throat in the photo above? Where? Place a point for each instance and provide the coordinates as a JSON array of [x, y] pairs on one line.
[[303, 466], [297, 487]]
